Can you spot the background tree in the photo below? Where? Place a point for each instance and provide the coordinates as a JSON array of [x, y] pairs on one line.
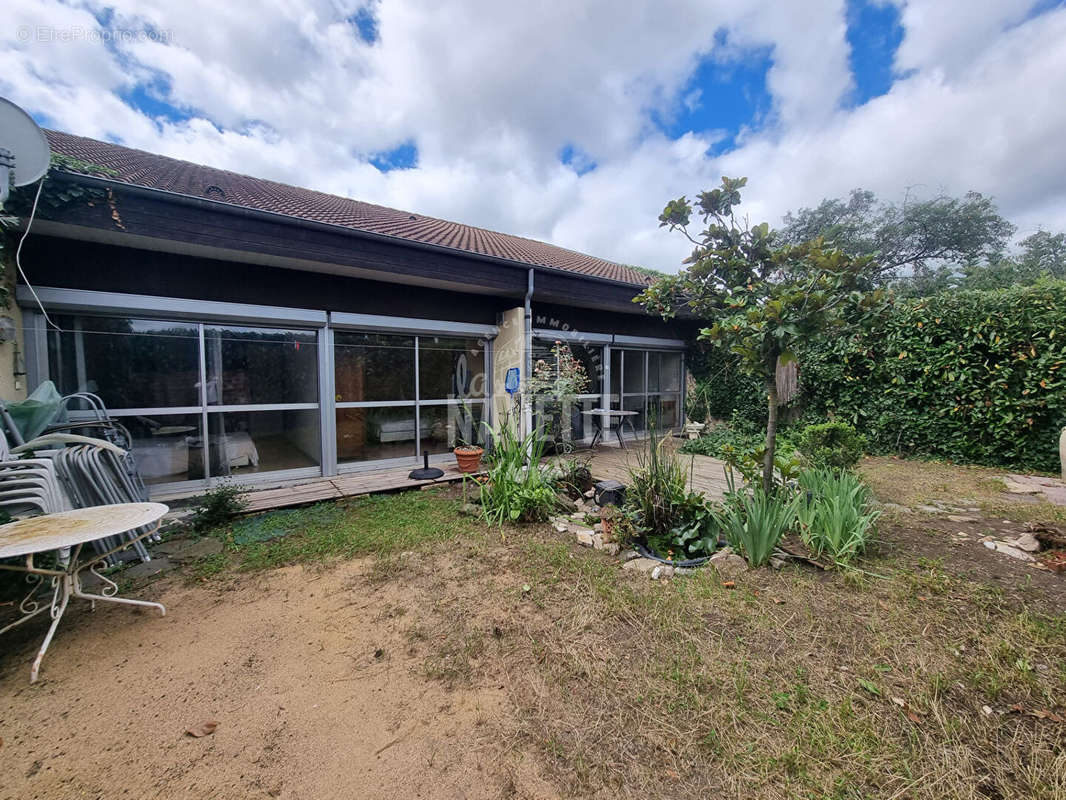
[[926, 241], [762, 300], [1042, 255]]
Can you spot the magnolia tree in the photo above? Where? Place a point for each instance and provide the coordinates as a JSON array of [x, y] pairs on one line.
[[760, 301]]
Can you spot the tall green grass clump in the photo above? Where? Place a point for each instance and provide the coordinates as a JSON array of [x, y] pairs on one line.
[[835, 515], [754, 521], [519, 488]]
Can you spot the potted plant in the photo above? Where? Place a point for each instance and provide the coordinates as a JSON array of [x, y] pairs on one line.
[[468, 457]]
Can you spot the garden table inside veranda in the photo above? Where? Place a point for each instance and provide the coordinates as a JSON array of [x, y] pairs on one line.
[[72, 529]]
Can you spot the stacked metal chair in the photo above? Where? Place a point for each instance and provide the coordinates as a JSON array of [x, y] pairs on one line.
[[81, 471]]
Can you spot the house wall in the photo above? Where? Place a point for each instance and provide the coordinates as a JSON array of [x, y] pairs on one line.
[[70, 264], [12, 357], [553, 316], [509, 351]]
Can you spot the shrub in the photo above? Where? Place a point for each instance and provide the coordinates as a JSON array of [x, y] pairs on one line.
[[972, 376], [835, 517], [519, 487], [831, 444], [753, 523], [741, 446], [217, 506]]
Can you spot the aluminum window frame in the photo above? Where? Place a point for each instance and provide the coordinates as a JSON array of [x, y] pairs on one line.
[[71, 307], [400, 326]]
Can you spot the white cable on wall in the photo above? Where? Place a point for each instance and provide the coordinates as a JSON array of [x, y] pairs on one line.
[[18, 256]]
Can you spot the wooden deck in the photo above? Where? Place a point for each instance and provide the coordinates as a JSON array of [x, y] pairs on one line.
[[350, 485], [706, 474]]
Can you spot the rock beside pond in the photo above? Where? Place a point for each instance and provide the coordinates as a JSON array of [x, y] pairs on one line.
[[641, 564], [728, 563], [662, 571], [585, 537]]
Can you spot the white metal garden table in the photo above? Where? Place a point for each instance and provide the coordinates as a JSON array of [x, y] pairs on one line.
[[72, 529]]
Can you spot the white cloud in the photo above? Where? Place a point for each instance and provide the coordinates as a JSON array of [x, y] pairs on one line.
[[491, 92]]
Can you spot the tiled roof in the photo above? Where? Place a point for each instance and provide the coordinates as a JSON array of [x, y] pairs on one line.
[[153, 171]]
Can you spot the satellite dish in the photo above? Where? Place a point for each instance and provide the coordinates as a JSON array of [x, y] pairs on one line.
[[24, 152]]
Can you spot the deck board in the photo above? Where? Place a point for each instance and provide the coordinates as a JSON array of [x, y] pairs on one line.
[[350, 485], [706, 475]]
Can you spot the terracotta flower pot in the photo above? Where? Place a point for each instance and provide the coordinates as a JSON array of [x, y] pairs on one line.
[[469, 458]]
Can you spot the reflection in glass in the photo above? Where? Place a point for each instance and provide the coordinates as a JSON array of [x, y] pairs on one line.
[[371, 434], [450, 367], [446, 427], [248, 442], [633, 372], [616, 377], [374, 367], [129, 363], [635, 403], [663, 411], [161, 447], [670, 372], [260, 365]]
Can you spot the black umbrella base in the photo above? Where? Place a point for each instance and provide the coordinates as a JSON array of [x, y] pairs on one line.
[[426, 472]]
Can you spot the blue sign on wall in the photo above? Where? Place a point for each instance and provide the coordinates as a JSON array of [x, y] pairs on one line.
[[510, 383]]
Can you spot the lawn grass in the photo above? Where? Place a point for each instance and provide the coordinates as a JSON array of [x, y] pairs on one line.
[[913, 483], [791, 683], [381, 525]]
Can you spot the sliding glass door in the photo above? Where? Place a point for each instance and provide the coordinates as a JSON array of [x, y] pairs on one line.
[[252, 390], [399, 396], [648, 383], [567, 419]]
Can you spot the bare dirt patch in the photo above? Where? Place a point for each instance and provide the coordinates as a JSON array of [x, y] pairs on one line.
[[313, 677], [516, 664]]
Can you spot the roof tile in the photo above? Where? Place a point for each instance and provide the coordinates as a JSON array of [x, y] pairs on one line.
[[141, 168]]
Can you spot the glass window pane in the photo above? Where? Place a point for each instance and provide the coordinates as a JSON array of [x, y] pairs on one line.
[[446, 427], [249, 442], [450, 368], [616, 376], [670, 372], [374, 367], [634, 404], [129, 363], [372, 434], [162, 447], [654, 359], [633, 379], [663, 411], [260, 365], [591, 358]]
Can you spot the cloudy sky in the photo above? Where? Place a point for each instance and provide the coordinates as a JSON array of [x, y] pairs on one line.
[[568, 121]]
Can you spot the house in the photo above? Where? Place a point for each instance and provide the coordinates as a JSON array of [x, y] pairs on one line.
[[241, 327]]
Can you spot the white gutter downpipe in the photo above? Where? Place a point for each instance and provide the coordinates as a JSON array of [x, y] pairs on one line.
[[527, 407]]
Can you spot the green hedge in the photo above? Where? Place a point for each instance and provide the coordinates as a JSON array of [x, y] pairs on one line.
[[974, 377], [722, 391]]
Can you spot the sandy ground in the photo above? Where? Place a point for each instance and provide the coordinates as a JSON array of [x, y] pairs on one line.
[[316, 684]]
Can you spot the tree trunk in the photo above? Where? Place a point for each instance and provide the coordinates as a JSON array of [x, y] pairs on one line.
[[771, 435]]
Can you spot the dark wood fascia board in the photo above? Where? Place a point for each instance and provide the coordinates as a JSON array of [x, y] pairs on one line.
[[146, 213]]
